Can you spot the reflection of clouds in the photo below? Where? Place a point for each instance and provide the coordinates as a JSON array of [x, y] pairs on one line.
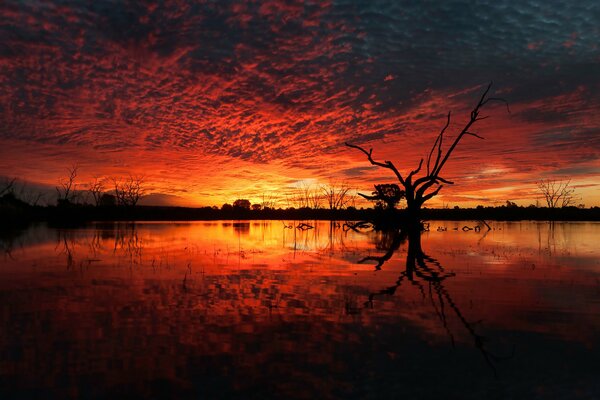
[[277, 84], [193, 303]]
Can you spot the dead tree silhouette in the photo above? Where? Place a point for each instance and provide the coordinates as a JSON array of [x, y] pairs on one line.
[[129, 191], [7, 187], [557, 193], [66, 191], [419, 190]]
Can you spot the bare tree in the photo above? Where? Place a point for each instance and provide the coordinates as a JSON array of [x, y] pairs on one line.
[[7, 186], [96, 190], [268, 201], [557, 193], [336, 195], [31, 196], [307, 196], [419, 190], [66, 190], [129, 191]]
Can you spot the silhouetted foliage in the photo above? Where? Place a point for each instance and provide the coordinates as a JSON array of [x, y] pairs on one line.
[[386, 195], [242, 204]]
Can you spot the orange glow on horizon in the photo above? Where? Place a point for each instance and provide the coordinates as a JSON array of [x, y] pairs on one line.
[[248, 106]]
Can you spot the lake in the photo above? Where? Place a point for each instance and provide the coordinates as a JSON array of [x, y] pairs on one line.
[[262, 309]]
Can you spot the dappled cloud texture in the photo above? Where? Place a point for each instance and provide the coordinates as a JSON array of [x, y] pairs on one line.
[[211, 101]]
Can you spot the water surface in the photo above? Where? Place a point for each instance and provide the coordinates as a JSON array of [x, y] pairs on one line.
[[260, 310]]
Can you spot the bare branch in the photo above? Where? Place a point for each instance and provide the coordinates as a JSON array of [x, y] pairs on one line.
[[438, 142], [386, 164], [415, 171], [474, 134], [129, 192], [96, 190], [557, 193], [66, 190], [7, 186], [500, 99]]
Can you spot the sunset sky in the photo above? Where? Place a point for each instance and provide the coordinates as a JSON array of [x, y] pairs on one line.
[[217, 100]]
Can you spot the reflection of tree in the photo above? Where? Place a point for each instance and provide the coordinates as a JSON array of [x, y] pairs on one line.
[[389, 241], [66, 243], [7, 243], [427, 274], [128, 242]]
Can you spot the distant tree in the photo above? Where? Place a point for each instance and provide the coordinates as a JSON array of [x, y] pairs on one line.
[[226, 207], [129, 191], [268, 201], [307, 196], [242, 203], [66, 188], [557, 193], [418, 190], [96, 190], [31, 196], [7, 186], [386, 195], [256, 207], [336, 195], [511, 204]]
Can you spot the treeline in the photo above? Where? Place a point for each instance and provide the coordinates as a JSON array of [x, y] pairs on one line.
[[15, 215]]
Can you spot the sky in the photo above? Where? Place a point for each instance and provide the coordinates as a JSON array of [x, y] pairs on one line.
[[211, 101]]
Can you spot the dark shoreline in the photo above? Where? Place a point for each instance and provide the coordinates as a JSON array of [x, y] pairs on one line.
[[13, 216]]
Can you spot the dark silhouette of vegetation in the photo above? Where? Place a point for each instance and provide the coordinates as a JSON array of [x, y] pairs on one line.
[[243, 204], [97, 191], [386, 196], [66, 189], [336, 195], [129, 191], [7, 187], [305, 197], [107, 200], [418, 190], [268, 201], [557, 193]]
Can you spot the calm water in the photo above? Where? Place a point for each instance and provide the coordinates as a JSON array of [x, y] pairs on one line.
[[257, 310]]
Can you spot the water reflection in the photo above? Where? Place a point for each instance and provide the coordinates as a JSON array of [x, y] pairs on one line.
[[259, 309], [428, 275]]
